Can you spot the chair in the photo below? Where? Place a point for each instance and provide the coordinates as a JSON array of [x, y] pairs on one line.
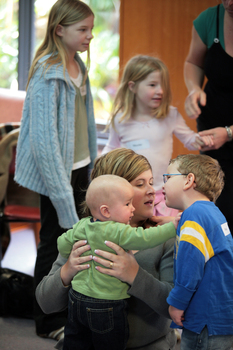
[[17, 204]]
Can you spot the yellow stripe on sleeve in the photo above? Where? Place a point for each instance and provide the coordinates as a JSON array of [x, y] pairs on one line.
[[194, 234]]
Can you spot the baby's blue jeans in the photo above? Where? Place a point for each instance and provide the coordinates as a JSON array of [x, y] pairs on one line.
[[95, 323]]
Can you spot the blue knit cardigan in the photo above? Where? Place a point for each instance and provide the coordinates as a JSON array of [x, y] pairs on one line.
[[45, 148]]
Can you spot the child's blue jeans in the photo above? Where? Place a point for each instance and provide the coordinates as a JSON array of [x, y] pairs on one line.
[[202, 341], [95, 323]]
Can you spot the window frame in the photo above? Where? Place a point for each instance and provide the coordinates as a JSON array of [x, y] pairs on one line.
[[26, 41]]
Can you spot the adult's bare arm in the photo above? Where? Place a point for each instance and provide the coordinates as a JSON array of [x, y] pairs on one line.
[[194, 76]]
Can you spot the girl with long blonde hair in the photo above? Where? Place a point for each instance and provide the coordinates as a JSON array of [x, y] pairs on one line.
[[143, 120], [149, 272], [57, 140]]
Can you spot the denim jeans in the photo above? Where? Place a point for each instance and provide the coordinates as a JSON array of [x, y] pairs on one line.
[[95, 323], [202, 341]]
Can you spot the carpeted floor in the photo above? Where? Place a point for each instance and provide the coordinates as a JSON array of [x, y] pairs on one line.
[[19, 334]]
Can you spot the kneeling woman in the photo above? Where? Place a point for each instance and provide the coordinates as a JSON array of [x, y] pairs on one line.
[[149, 273]]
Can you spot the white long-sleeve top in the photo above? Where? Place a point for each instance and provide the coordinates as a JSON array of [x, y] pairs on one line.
[[153, 139]]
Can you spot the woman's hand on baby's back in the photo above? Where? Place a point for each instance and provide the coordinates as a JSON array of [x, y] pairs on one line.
[[121, 265], [75, 261]]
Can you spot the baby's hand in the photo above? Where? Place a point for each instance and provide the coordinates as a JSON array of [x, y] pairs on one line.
[[158, 220], [177, 219]]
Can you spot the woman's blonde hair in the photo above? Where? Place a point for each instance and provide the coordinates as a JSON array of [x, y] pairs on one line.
[[209, 177], [65, 13], [136, 70], [122, 162]]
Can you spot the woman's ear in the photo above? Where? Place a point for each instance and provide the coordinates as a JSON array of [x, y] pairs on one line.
[[131, 86], [59, 30], [190, 181], [105, 212]]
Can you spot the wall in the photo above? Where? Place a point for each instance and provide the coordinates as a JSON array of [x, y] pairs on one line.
[[161, 28], [11, 105]]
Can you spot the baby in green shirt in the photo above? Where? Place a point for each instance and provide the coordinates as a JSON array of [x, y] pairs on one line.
[[97, 305]]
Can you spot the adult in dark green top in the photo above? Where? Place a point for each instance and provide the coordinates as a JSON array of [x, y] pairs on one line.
[[211, 56], [149, 273]]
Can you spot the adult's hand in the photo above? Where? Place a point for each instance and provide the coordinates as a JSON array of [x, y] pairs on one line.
[[192, 102], [75, 261], [219, 135], [121, 265]]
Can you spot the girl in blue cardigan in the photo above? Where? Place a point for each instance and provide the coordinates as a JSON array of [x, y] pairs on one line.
[[57, 141]]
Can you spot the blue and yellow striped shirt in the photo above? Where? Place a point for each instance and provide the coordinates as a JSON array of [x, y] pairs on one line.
[[203, 270]]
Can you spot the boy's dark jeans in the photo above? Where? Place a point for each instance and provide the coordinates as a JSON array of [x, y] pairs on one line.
[[202, 341], [95, 324]]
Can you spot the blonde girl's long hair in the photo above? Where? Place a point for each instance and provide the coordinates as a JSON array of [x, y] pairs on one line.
[[136, 70], [65, 13]]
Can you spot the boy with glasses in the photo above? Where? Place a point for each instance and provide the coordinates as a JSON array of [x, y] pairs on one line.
[[201, 301]]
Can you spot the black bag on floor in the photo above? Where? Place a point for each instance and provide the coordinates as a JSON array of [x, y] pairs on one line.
[[16, 294]]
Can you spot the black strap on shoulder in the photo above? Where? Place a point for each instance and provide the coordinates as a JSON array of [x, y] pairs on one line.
[[217, 27]]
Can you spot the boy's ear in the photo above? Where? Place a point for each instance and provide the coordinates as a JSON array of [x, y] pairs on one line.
[[104, 210], [190, 181], [131, 85], [59, 30]]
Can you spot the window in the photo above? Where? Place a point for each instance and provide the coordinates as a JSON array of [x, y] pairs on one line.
[[9, 44]]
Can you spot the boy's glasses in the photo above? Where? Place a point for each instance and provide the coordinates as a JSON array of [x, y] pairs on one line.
[[167, 176]]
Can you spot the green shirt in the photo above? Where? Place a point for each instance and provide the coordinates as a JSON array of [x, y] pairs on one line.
[[92, 283], [206, 25]]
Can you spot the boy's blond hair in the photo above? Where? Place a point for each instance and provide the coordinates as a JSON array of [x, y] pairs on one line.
[[136, 70], [209, 177]]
